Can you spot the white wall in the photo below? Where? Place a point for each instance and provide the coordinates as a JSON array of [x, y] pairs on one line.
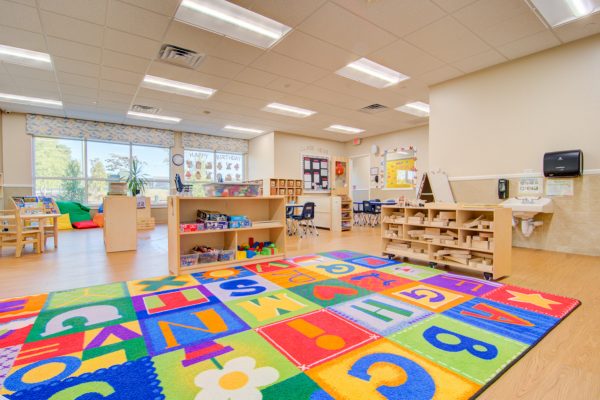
[[261, 157], [502, 120], [16, 151], [416, 137]]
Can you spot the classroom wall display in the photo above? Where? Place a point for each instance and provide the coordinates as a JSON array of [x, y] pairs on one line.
[[229, 167], [198, 166], [398, 168], [315, 173]]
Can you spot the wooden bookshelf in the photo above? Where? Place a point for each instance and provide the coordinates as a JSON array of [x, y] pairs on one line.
[[267, 214], [290, 188], [347, 218], [462, 236]]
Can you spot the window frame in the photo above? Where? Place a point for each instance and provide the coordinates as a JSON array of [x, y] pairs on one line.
[[86, 179]]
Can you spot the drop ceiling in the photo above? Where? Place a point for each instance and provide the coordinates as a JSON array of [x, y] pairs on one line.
[[101, 50]]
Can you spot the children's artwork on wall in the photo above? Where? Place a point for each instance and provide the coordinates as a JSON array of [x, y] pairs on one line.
[[315, 173], [229, 167], [398, 168]]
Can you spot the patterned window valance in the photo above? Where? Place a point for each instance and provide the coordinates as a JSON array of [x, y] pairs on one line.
[[43, 125], [217, 143]]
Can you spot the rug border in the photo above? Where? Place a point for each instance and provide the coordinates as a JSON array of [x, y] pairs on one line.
[[523, 354]]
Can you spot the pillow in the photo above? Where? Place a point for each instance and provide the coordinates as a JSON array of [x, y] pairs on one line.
[[99, 219], [64, 222], [77, 211], [85, 225]]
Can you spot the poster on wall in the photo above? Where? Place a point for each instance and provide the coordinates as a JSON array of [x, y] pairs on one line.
[[559, 187], [400, 173], [315, 170], [198, 166], [228, 167], [531, 186]]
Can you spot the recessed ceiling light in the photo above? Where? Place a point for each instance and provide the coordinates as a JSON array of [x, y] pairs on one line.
[[30, 101], [417, 108], [29, 58], [560, 12], [241, 129], [343, 129], [176, 87], [290, 111], [372, 74], [153, 117], [233, 21]]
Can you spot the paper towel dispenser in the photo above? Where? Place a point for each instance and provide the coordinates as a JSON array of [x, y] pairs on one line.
[[563, 163]]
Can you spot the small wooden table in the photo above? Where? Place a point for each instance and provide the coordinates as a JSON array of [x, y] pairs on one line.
[[42, 218]]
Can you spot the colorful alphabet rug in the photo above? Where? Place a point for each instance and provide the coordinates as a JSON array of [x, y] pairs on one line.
[[336, 325]]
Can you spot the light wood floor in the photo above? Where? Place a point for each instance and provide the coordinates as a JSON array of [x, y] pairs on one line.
[[565, 365]]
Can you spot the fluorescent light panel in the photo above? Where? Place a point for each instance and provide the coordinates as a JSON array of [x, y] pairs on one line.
[[29, 58], [30, 101], [241, 129], [290, 111], [176, 87], [153, 117], [344, 129], [232, 21], [372, 74], [417, 108], [560, 12]]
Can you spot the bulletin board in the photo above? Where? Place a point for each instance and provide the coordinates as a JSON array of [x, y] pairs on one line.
[[315, 173], [398, 168]]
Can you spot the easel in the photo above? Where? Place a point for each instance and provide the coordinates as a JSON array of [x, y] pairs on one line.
[[434, 187]]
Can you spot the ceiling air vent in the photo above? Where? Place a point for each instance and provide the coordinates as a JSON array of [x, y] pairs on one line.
[[145, 109], [180, 56], [374, 108]]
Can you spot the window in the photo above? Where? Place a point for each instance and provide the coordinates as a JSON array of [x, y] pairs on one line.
[[203, 166], [400, 168], [80, 170]]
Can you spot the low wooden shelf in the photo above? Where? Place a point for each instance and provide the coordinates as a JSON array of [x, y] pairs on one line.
[[463, 236], [266, 212]]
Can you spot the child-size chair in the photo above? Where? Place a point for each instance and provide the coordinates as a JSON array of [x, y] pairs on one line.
[[15, 233], [306, 220]]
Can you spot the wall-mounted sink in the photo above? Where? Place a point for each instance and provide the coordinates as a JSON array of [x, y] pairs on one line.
[[527, 207]]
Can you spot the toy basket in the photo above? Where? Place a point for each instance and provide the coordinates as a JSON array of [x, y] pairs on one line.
[[226, 255], [210, 257], [187, 260]]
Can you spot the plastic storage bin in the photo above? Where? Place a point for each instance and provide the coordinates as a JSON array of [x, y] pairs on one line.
[[187, 260], [204, 258], [227, 255], [231, 189]]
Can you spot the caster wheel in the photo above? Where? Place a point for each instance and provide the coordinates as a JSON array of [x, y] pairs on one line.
[[432, 265], [487, 276], [390, 257]]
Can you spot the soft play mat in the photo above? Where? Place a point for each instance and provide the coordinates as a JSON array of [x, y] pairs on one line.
[[336, 325]]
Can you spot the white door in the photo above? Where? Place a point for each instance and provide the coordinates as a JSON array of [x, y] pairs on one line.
[[359, 177]]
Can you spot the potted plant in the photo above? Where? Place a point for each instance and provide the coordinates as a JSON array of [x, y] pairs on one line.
[[136, 180]]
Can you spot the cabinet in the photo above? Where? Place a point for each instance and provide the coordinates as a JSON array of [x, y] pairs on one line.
[[290, 188], [267, 214], [120, 223], [468, 237]]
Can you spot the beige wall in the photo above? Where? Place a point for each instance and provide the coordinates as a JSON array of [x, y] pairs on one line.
[[289, 148], [417, 137], [261, 157], [499, 122], [16, 151], [502, 120]]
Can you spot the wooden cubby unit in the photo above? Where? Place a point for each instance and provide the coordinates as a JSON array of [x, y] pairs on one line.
[[463, 236], [268, 224], [290, 188]]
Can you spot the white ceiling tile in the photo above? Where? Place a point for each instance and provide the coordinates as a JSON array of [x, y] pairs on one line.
[[77, 80], [255, 77], [114, 96], [190, 37], [124, 61], [118, 87], [287, 12], [399, 17], [87, 10], [286, 85], [530, 44], [120, 75], [480, 61], [71, 29], [164, 7], [314, 51], [206, 80], [453, 5], [78, 91], [405, 58], [438, 75], [13, 107], [23, 39], [255, 92], [328, 96], [42, 86], [235, 51], [30, 3], [288, 67], [135, 20], [76, 67], [219, 67], [500, 21], [130, 44], [76, 51], [169, 71], [235, 99], [113, 105], [578, 29], [347, 86], [71, 100], [447, 40], [31, 73], [155, 95], [19, 16], [336, 25]]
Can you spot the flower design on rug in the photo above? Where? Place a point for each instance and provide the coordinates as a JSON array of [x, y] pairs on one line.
[[238, 380]]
